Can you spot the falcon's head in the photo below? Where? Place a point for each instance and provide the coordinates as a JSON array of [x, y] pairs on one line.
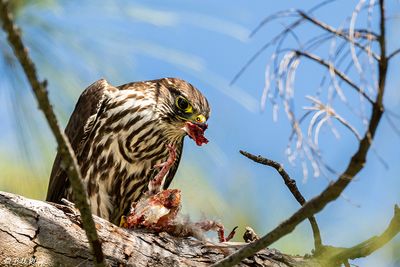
[[183, 107]]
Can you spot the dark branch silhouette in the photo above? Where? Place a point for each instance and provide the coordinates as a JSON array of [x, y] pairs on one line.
[[291, 184], [394, 53]]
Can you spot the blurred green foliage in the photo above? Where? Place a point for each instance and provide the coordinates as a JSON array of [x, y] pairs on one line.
[[17, 177]]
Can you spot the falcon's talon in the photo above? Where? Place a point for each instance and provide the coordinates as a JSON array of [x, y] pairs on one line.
[[209, 225], [221, 234], [231, 234]]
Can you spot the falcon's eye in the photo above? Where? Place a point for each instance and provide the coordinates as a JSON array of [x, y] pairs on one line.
[[183, 104]]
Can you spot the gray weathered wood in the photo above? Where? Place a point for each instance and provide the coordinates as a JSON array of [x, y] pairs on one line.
[[37, 232]]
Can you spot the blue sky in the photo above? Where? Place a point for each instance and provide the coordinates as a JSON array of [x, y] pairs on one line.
[[206, 43]]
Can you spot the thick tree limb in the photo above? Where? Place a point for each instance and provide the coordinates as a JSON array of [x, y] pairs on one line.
[[291, 184], [68, 156], [44, 234], [36, 233]]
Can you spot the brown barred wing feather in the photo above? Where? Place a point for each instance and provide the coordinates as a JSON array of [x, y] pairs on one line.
[[86, 111]]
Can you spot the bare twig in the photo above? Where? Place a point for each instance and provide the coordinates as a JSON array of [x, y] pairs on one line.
[[291, 184], [394, 53], [383, 63], [368, 246], [285, 13], [68, 155], [363, 34]]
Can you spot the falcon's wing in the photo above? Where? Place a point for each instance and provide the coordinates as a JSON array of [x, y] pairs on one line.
[[174, 168], [79, 126]]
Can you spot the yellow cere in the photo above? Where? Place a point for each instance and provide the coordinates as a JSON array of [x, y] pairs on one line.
[[201, 119]]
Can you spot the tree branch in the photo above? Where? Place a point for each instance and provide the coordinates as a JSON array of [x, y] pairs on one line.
[[291, 184], [363, 34], [394, 53], [68, 155]]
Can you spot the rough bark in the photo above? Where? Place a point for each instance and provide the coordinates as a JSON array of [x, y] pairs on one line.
[[37, 233]]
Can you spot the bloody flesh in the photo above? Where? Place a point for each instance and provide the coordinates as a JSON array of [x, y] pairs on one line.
[[196, 133]]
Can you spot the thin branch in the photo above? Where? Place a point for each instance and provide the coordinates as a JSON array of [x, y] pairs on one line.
[[363, 34], [383, 63], [331, 67], [263, 48], [68, 155], [369, 28], [286, 13], [368, 246], [394, 53], [291, 184]]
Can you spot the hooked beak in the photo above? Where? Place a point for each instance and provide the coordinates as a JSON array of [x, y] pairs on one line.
[[202, 126]]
